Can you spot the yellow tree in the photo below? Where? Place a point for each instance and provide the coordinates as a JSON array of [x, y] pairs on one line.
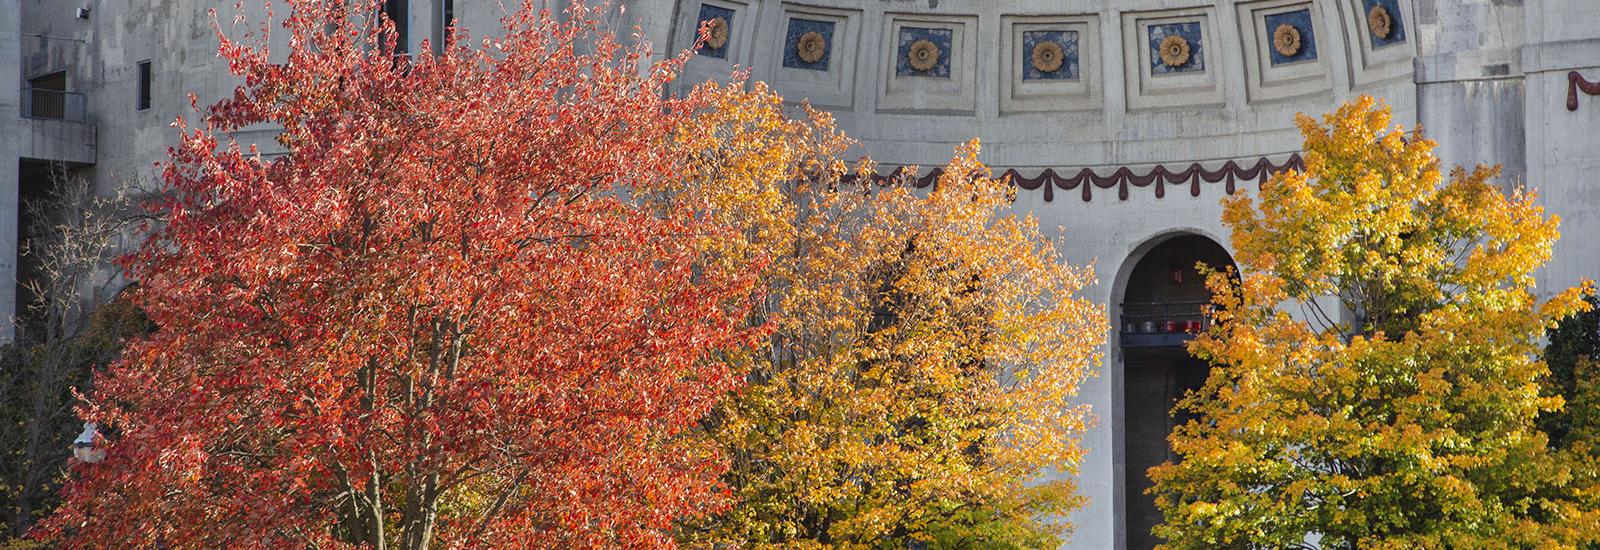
[[925, 354], [1398, 410]]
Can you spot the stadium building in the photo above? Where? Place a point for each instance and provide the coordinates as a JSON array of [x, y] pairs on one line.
[[1123, 122]]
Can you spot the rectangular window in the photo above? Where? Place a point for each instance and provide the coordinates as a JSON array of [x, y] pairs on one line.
[[144, 85], [395, 10], [447, 12]]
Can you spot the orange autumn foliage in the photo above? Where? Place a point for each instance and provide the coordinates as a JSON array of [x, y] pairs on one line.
[[437, 321]]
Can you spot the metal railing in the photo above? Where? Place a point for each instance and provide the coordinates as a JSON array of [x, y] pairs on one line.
[[54, 104]]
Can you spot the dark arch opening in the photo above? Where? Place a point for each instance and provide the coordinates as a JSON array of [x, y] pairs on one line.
[[1161, 304]]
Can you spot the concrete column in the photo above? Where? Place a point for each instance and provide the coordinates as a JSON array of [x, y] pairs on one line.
[[1564, 145], [10, 150], [1470, 83]]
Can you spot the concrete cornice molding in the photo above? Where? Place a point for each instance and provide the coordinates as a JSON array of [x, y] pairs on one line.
[[1564, 55], [1467, 66]]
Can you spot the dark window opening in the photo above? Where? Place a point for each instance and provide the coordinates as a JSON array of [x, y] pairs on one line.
[[1162, 309], [396, 11], [144, 85], [56, 81], [447, 16], [36, 183]]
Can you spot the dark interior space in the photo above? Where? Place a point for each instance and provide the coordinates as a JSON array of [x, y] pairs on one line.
[[35, 182], [396, 11], [1161, 308]]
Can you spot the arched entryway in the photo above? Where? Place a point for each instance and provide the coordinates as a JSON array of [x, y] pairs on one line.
[[1160, 308]]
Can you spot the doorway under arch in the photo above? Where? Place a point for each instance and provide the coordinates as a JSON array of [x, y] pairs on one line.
[[1161, 305]]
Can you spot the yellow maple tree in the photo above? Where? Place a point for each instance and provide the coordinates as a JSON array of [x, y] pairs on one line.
[[926, 347], [1376, 377]]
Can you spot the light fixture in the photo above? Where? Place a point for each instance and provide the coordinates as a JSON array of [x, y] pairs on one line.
[[84, 448], [83, 13]]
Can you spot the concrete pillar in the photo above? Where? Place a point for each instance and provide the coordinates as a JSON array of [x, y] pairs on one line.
[[1564, 145], [1470, 83], [10, 151]]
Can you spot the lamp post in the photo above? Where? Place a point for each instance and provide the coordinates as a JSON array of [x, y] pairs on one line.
[[84, 448]]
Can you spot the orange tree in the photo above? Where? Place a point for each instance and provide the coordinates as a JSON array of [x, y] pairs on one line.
[[1398, 410], [927, 347], [437, 320]]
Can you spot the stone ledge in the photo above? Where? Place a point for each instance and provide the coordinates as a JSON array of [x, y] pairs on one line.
[[1560, 56], [57, 141]]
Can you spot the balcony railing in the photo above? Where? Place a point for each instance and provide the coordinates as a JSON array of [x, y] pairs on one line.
[[54, 104], [1160, 324]]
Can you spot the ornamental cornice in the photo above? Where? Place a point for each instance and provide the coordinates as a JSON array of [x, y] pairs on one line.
[[1124, 179]]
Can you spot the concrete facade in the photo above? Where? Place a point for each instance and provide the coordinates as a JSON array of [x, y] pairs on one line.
[[1488, 79], [10, 152]]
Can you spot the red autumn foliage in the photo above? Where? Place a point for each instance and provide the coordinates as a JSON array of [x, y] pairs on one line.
[[436, 321]]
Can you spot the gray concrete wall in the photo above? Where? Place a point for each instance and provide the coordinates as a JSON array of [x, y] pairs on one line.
[[175, 36], [11, 134], [1564, 146], [1470, 82]]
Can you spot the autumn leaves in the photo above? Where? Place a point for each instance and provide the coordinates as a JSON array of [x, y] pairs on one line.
[[1405, 416], [924, 353], [518, 295]]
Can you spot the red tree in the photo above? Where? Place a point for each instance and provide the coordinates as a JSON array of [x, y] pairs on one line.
[[437, 320]]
